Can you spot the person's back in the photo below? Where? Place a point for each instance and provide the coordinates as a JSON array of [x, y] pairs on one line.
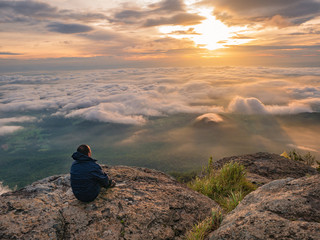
[[87, 177]]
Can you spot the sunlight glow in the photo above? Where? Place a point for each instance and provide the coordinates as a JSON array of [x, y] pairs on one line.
[[213, 32], [210, 34]]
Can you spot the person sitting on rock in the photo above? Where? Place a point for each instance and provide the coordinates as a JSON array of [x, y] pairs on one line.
[[87, 177]]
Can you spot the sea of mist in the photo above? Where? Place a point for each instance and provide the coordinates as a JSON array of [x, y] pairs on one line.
[[171, 119]]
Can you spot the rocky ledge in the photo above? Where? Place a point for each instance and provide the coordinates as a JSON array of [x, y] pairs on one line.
[[148, 204], [265, 167], [145, 204], [287, 209]]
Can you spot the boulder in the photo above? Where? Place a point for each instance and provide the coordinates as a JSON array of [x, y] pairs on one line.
[[265, 167], [145, 204], [282, 209]]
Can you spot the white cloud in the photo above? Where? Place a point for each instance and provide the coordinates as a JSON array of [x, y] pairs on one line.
[[16, 120], [4, 189], [255, 106], [292, 108], [130, 96], [4, 130], [311, 101], [28, 105], [100, 113], [305, 92], [302, 148], [135, 110], [247, 106], [209, 117]]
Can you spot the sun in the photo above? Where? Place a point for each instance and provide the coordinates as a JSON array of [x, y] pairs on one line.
[[213, 33], [210, 34]]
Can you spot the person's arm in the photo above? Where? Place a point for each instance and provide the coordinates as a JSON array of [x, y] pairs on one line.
[[101, 177]]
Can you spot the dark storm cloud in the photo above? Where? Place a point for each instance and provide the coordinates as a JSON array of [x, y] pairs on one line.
[[179, 19], [311, 31], [166, 12], [9, 53], [163, 7], [301, 9], [190, 31], [276, 47], [233, 11], [169, 6], [68, 28], [27, 8], [105, 35], [28, 11], [298, 21], [129, 14], [290, 8], [66, 14]]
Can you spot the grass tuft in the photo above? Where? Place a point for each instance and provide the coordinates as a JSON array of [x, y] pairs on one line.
[[227, 186], [307, 158], [231, 202], [184, 177], [202, 229]]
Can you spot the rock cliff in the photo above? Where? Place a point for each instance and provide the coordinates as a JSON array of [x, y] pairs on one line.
[[145, 204], [287, 209], [148, 204], [265, 167]]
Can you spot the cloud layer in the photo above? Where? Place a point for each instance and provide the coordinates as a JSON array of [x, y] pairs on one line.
[[241, 11], [255, 106], [4, 189], [131, 96], [68, 28], [8, 129], [209, 118]]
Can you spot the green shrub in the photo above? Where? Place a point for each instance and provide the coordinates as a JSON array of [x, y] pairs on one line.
[[184, 177], [308, 158], [318, 167], [227, 186], [294, 155], [202, 229]]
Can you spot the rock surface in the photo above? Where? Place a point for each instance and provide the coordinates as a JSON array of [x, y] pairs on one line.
[[146, 204], [282, 209], [265, 167]]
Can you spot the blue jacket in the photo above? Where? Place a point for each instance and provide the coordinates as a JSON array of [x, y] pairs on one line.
[[87, 177]]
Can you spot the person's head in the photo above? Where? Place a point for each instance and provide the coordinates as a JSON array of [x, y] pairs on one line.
[[84, 149]]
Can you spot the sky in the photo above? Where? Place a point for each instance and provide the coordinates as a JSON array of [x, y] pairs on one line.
[[79, 34]]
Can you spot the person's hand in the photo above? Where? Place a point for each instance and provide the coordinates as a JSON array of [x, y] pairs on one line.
[[112, 184]]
